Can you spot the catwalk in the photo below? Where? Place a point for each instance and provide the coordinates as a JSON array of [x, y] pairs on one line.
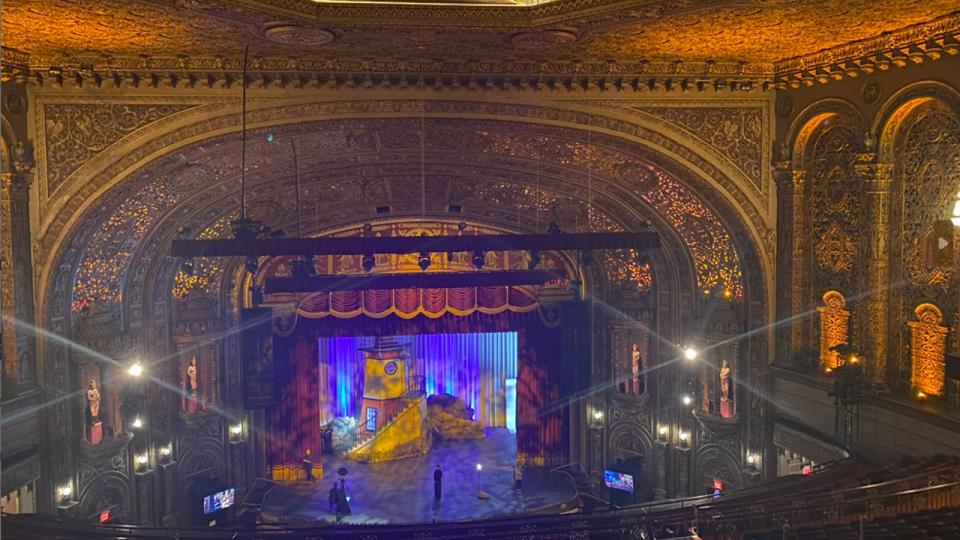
[[402, 491]]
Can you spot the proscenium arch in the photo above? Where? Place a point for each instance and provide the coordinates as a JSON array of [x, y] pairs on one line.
[[222, 122]]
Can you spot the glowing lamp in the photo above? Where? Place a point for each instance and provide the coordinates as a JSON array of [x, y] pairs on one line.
[[828, 370], [142, 460], [137, 423], [690, 353], [65, 491], [598, 415], [236, 429], [854, 359], [687, 399], [751, 459], [166, 452], [423, 261], [135, 370], [662, 431], [727, 294], [479, 467], [921, 396], [684, 437]]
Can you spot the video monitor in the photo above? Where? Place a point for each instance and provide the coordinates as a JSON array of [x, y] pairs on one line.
[[618, 480], [220, 500]]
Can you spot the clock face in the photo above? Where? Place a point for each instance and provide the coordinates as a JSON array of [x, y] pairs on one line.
[[390, 368]]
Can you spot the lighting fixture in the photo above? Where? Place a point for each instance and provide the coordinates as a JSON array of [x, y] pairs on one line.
[[137, 423], [65, 491], [142, 460], [135, 369], [479, 467], [187, 267], [236, 430], [684, 437], [423, 261], [251, 265], [478, 259], [598, 415], [853, 359], [662, 431], [690, 353], [828, 370], [956, 212], [534, 260], [687, 399], [751, 459], [166, 452], [921, 396]]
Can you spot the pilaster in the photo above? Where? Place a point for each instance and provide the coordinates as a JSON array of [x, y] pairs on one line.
[[877, 179], [791, 256], [16, 281]]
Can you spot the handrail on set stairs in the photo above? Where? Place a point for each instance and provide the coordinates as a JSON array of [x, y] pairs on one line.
[[358, 436]]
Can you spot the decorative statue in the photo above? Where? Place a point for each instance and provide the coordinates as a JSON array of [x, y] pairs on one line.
[[725, 392], [93, 401], [192, 376], [635, 365]]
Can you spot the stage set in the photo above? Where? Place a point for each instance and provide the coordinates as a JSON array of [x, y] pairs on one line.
[[379, 387]]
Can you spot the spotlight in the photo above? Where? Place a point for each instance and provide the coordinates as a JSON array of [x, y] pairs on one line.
[[187, 267], [478, 260], [368, 262], [462, 226], [251, 265], [686, 399], [135, 370], [137, 423], [534, 260], [256, 292], [690, 353], [423, 261], [479, 467]]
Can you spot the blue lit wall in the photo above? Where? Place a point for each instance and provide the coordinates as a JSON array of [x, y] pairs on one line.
[[475, 367]]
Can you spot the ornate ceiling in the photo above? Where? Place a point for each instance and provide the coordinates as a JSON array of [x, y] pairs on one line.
[[304, 34]]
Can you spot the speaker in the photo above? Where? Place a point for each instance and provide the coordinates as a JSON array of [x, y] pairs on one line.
[[575, 357], [257, 354], [953, 366]]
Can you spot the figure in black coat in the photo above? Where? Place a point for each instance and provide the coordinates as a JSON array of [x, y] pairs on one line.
[[437, 483]]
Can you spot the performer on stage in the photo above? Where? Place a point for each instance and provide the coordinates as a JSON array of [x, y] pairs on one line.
[[437, 483]]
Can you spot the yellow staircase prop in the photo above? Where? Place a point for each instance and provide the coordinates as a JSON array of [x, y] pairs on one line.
[[407, 434]]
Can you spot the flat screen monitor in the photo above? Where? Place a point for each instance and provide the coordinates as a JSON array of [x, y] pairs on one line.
[[220, 500], [618, 480]]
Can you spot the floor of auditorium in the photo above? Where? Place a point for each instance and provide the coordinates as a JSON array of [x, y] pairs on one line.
[[402, 491]]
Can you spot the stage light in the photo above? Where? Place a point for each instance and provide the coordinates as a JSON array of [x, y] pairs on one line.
[[478, 259], [137, 423], [423, 261], [687, 399], [251, 265], [368, 262], [187, 267], [534, 260], [65, 491], [479, 467], [690, 353], [135, 370]]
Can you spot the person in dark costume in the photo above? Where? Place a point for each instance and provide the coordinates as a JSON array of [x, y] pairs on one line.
[[333, 497], [437, 483], [343, 504]]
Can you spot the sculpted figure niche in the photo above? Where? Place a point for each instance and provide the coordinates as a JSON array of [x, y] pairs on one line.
[[727, 409], [94, 426], [191, 401]]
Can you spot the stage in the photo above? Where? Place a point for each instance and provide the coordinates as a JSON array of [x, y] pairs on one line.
[[402, 491]]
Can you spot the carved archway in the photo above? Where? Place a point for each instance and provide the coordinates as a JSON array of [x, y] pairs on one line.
[[107, 491], [716, 462]]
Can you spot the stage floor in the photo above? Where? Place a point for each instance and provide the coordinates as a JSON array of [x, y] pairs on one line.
[[402, 491]]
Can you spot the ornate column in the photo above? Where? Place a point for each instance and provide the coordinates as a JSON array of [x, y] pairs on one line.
[[877, 179], [16, 277], [791, 258]]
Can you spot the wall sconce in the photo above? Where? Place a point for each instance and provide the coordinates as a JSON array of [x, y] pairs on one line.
[[663, 432], [135, 369], [596, 419], [65, 491], [236, 432], [686, 399], [141, 461], [684, 438], [137, 422], [753, 460], [166, 453], [690, 353]]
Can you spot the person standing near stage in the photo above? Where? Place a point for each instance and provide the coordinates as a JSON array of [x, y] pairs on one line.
[[343, 502], [437, 483], [333, 497], [308, 466]]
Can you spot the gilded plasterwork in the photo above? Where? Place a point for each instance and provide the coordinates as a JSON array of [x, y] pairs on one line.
[[205, 271], [834, 323], [760, 33], [76, 132], [737, 133], [928, 345]]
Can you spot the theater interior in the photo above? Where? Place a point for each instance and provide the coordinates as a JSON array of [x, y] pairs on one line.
[[539, 269]]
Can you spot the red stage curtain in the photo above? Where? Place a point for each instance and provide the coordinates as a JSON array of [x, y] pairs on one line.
[[294, 424], [541, 419]]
